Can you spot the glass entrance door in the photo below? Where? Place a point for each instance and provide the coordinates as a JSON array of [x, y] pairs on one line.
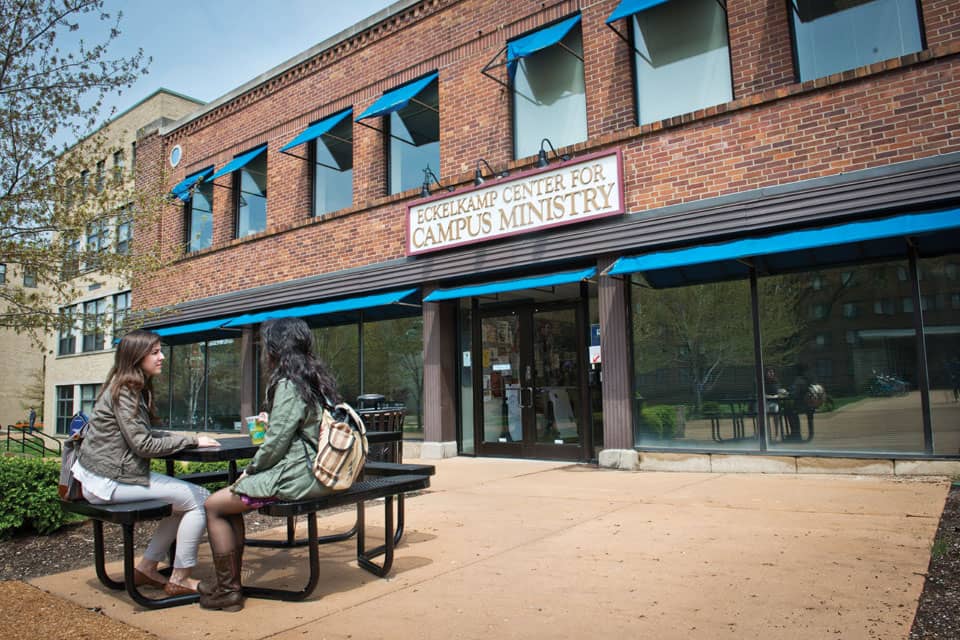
[[531, 383]]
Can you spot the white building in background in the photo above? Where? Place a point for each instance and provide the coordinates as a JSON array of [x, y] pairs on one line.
[[78, 361]]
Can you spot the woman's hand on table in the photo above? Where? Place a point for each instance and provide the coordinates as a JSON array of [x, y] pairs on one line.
[[207, 441]]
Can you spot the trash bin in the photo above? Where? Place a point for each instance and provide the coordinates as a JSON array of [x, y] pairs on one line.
[[370, 401]]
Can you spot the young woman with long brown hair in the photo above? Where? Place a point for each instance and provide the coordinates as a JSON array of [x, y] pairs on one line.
[[114, 462]]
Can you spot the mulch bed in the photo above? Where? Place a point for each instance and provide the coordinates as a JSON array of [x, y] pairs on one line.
[[938, 615]]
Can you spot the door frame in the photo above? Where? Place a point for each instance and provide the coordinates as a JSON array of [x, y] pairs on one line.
[[525, 449]]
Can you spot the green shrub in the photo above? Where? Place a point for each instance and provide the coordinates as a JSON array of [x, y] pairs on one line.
[[28, 496], [660, 420]]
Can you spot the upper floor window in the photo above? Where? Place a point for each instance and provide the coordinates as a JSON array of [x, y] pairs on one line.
[[29, 277], [94, 314], [84, 184], [118, 163], [545, 69], [97, 242], [124, 230], [330, 150], [412, 113], [71, 260], [681, 56], [249, 171], [121, 305], [133, 157], [3, 274], [100, 175], [199, 218], [831, 36], [197, 197], [67, 342]]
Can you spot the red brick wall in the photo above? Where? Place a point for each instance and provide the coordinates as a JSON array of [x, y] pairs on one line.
[[774, 132]]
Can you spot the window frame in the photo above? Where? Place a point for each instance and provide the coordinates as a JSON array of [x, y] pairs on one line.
[[312, 155], [188, 215], [795, 51], [67, 340], [96, 339], [237, 182], [389, 137], [511, 83], [631, 24]]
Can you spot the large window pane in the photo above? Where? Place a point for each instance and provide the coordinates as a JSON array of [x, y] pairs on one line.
[[64, 407], [187, 385], [200, 218], [940, 299], [333, 171], [694, 366], [223, 380], [466, 377], [682, 58], [415, 139], [549, 97], [834, 35], [252, 198], [393, 366], [339, 348], [841, 360]]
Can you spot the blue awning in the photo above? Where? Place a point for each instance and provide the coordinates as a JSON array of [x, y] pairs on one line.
[[239, 162], [182, 190], [533, 282], [194, 327], [627, 8], [538, 40], [323, 308], [398, 98], [317, 129], [781, 253]]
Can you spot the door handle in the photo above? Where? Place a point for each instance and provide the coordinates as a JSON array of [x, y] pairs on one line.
[[526, 405]]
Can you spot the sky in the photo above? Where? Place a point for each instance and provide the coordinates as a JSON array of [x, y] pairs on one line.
[[206, 48]]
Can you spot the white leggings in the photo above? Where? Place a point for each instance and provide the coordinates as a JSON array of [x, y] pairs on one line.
[[186, 524]]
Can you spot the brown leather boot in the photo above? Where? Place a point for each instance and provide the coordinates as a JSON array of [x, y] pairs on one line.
[[227, 593]]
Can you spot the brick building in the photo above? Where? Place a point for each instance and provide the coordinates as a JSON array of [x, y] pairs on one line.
[[565, 228]]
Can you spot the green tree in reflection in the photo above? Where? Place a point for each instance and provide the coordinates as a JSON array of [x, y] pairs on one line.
[[702, 330]]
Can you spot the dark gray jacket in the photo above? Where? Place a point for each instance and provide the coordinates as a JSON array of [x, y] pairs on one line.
[[119, 442]]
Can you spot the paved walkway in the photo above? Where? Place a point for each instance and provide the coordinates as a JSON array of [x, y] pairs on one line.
[[521, 549]]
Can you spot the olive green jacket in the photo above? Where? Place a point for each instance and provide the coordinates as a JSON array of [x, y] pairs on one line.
[[119, 441], [282, 467]]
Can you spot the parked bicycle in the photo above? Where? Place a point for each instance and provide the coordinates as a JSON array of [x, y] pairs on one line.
[[885, 385]]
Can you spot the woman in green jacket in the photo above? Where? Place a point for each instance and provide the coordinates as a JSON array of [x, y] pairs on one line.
[[299, 386]]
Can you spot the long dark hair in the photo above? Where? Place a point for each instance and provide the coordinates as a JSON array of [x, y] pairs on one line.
[[126, 371], [287, 348]]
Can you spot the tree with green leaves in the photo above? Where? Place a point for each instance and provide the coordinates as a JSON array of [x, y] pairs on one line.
[[53, 85]]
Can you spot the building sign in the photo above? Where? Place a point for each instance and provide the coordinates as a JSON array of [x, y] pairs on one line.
[[576, 191]]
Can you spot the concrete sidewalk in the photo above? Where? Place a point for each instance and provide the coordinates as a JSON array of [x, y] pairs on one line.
[[521, 549]]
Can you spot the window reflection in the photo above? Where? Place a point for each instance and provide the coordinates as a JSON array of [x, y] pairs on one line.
[[858, 393], [693, 365], [252, 197], [941, 326]]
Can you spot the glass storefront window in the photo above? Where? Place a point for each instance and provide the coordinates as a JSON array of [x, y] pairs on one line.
[[843, 380], [941, 327], [338, 346], [199, 389], [393, 366], [223, 392], [694, 366]]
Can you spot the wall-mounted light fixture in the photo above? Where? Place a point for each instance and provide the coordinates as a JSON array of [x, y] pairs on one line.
[[427, 175], [542, 160], [478, 175]]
